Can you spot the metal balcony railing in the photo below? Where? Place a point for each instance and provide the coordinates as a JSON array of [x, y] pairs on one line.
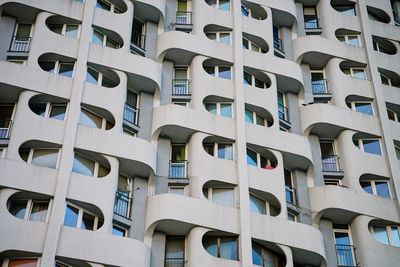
[[278, 44], [320, 87], [178, 168], [283, 112], [20, 44], [184, 17], [330, 163], [138, 39], [5, 129], [180, 87], [291, 194], [175, 262], [346, 256], [122, 205], [131, 114]]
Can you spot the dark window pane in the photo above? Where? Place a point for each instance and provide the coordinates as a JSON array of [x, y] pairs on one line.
[[210, 245], [58, 112], [92, 76], [66, 69], [367, 187], [87, 221], [251, 157], [18, 208], [38, 108], [71, 216], [118, 231]]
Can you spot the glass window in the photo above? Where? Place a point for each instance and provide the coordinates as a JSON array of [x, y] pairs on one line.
[[258, 83], [212, 36], [18, 208], [45, 157], [58, 112], [225, 151], [39, 211], [83, 165], [224, 5], [22, 263], [38, 108], [372, 146], [291, 217], [66, 69], [359, 73], [260, 120], [210, 244], [391, 115], [228, 248], [71, 31], [71, 216], [112, 44], [245, 43], [245, 12], [106, 82], [57, 28], [177, 190], [382, 189], [226, 110], [209, 148], [118, 231], [364, 108], [211, 107], [92, 76], [342, 39], [225, 38], [247, 79], [224, 72], [251, 157], [346, 10], [47, 65], [223, 196], [381, 234], [257, 254], [248, 115], [97, 37], [396, 236], [367, 187], [352, 40], [255, 47], [210, 70], [87, 221], [257, 205], [384, 80], [103, 5], [174, 249], [89, 119]]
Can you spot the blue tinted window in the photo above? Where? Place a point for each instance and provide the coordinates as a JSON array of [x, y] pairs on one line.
[[364, 108], [372, 146], [71, 216]]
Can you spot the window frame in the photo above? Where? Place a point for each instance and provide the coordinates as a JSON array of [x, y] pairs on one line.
[[121, 228], [218, 36], [99, 79], [32, 150], [217, 5], [388, 232], [353, 106], [253, 81], [267, 205], [254, 118], [113, 8], [390, 83], [210, 195], [96, 167], [103, 120], [218, 108], [373, 187], [216, 71], [361, 145], [177, 187], [346, 39], [105, 38], [251, 44], [64, 29], [80, 216], [216, 149], [352, 69], [29, 206], [269, 162], [49, 106], [17, 61]]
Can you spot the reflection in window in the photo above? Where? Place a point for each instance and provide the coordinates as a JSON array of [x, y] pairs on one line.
[[222, 246]]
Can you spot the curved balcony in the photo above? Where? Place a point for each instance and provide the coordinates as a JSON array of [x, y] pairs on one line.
[[138, 153], [102, 248], [165, 209], [387, 31], [305, 241], [332, 120], [284, 10], [339, 203]]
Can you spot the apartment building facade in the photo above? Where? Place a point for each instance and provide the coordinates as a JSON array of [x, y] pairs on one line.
[[192, 133]]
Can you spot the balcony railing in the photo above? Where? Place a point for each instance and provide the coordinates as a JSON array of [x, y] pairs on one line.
[[278, 44], [178, 168], [131, 114], [330, 163], [122, 205], [138, 39], [320, 87], [346, 256], [184, 17], [20, 44], [180, 87], [283, 112], [5, 129], [175, 262], [290, 194]]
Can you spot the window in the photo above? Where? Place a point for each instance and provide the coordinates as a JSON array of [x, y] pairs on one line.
[[318, 82], [283, 113], [225, 247], [119, 231], [3, 151], [397, 150], [361, 106], [350, 39], [245, 11], [388, 81], [177, 190], [62, 68], [250, 45], [96, 77], [78, 217], [102, 39], [49, 110], [336, 182], [20, 262], [376, 187], [388, 235], [30, 209], [257, 205], [88, 118], [123, 196], [222, 109], [258, 160], [220, 150], [344, 246], [252, 117], [223, 37], [250, 79], [221, 4], [174, 251], [86, 166], [358, 73], [223, 196], [17, 61], [346, 9], [291, 216], [107, 6], [265, 257], [68, 30], [310, 18], [22, 36], [58, 263], [368, 145], [45, 157], [219, 71], [183, 104]]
